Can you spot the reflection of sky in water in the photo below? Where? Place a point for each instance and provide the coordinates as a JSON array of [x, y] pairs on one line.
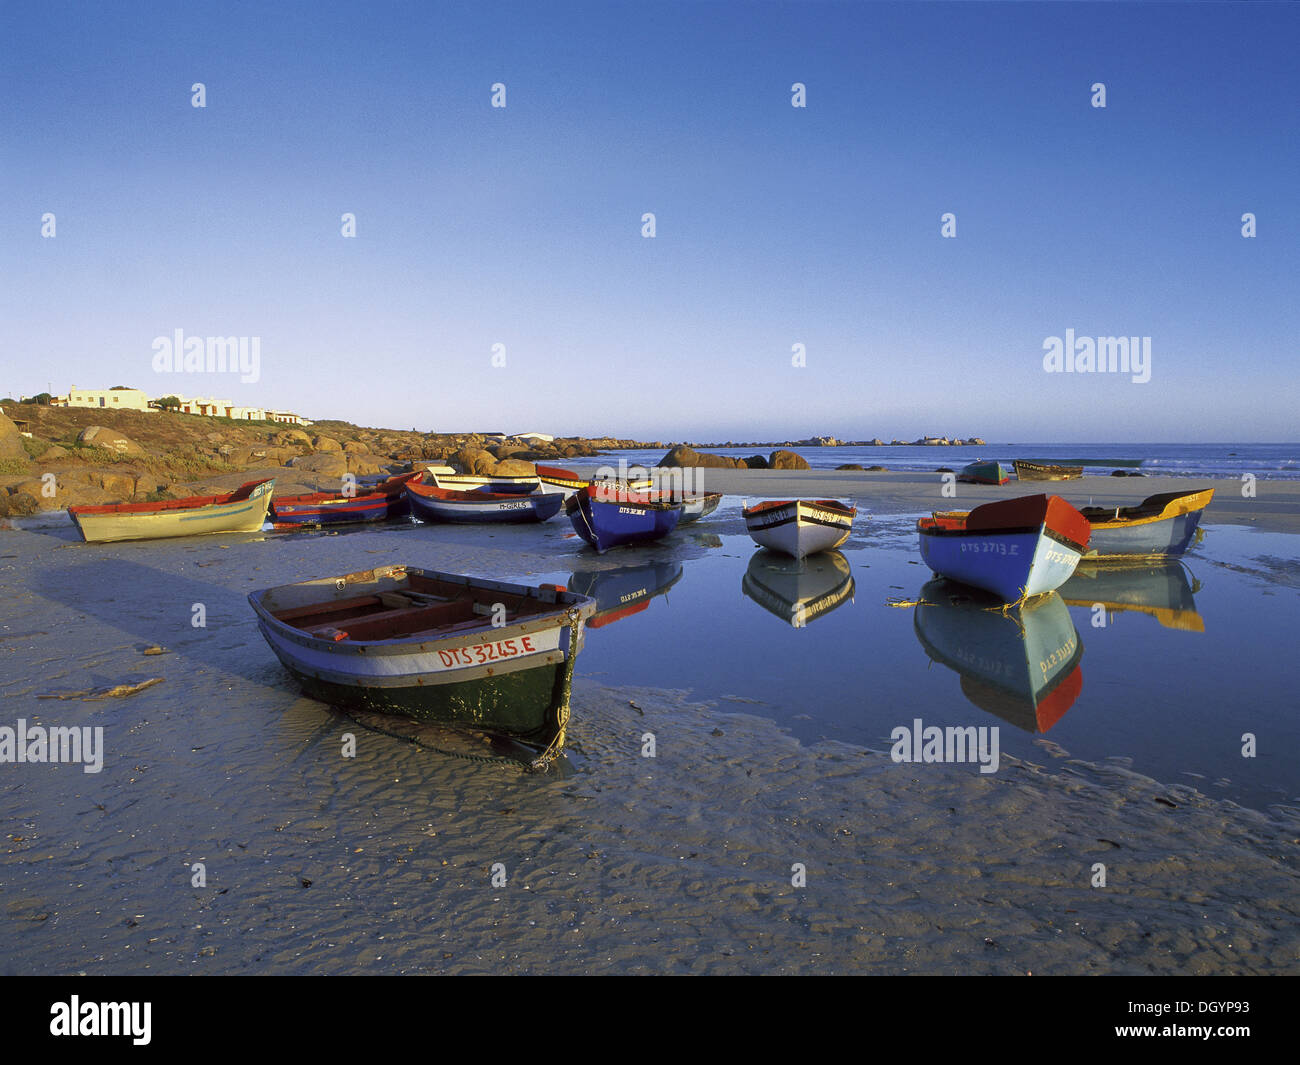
[[1173, 700]]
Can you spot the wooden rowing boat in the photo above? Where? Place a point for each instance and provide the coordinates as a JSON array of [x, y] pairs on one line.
[[607, 515], [378, 499], [556, 479], [1014, 548], [1021, 664], [431, 503], [1038, 471], [243, 510], [799, 527], [697, 505], [441, 648], [980, 472], [1161, 526], [798, 591]]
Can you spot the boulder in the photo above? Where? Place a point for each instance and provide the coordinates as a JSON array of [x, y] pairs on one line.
[[109, 439], [290, 438], [787, 460], [876, 469], [19, 504], [851, 466], [363, 464], [326, 443], [324, 463], [515, 468], [11, 440], [53, 453], [356, 447], [121, 486], [756, 462], [474, 461], [681, 455]]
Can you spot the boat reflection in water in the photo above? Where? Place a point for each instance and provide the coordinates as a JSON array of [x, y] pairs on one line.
[[622, 592], [798, 591], [1159, 589], [1021, 664]]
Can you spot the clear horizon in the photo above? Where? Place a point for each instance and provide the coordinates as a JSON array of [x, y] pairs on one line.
[[775, 225]]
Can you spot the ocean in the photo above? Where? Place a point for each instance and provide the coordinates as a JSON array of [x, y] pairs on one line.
[[1265, 461]]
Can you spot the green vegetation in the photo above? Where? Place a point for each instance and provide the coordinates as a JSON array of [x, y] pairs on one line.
[[13, 466], [35, 446]]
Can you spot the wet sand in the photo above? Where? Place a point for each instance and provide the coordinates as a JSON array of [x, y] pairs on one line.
[[384, 862]]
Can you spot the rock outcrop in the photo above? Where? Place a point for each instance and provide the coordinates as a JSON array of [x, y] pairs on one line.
[[786, 460], [110, 440]]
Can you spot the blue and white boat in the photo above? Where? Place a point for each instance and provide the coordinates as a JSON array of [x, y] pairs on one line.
[[611, 515], [1014, 548], [433, 504]]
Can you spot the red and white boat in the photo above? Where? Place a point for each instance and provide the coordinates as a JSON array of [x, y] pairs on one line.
[[799, 527]]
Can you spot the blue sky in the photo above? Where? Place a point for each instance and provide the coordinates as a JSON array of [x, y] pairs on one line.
[[775, 225]]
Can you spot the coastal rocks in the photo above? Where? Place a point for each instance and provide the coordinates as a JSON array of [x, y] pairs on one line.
[[17, 503], [109, 439], [850, 466], [474, 461], [290, 438], [323, 463], [756, 462], [787, 460], [356, 447], [326, 443], [681, 455], [514, 468], [11, 440]]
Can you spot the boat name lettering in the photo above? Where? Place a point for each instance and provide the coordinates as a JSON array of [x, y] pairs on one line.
[[487, 652], [990, 546], [631, 510]]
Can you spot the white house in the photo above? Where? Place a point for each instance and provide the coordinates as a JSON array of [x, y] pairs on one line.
[[106, 398]]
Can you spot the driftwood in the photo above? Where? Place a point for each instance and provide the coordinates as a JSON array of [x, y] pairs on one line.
[[117, 691]]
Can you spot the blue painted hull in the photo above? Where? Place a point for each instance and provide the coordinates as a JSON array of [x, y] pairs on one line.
[[1169, 538], [345, 513], [515, 510], [1012, 565], [614, 524]]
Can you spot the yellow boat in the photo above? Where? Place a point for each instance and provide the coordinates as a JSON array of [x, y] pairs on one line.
[[243, 510]]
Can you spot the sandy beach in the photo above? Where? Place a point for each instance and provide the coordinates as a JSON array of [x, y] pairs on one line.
[[737, 848]]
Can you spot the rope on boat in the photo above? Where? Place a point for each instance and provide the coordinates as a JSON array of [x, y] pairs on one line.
[[553, 749]]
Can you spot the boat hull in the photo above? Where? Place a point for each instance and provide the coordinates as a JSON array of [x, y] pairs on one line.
[[616, 518], [798, 591], [799, 527], [1161, 526], [479, 508], [1015, 549], [110, 525], [1037, 471], [695, 507], [340, 510], [509, 680], [984, 473]]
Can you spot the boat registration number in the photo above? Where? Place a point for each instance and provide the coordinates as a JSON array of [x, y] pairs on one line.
[[990, 548], [521, 505], [488, 652]]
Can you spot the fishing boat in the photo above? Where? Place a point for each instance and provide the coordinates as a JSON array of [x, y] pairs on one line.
[[798, 591], [1014, 548], [1039, 471], [612, 515], [1161, 526], [555, 479], [1022, 664], [441, 648], [799, 527], [377, 499], [1158, 589], [697, 505], [243, 510], [980, 472], [431, 503], [622, 592]]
